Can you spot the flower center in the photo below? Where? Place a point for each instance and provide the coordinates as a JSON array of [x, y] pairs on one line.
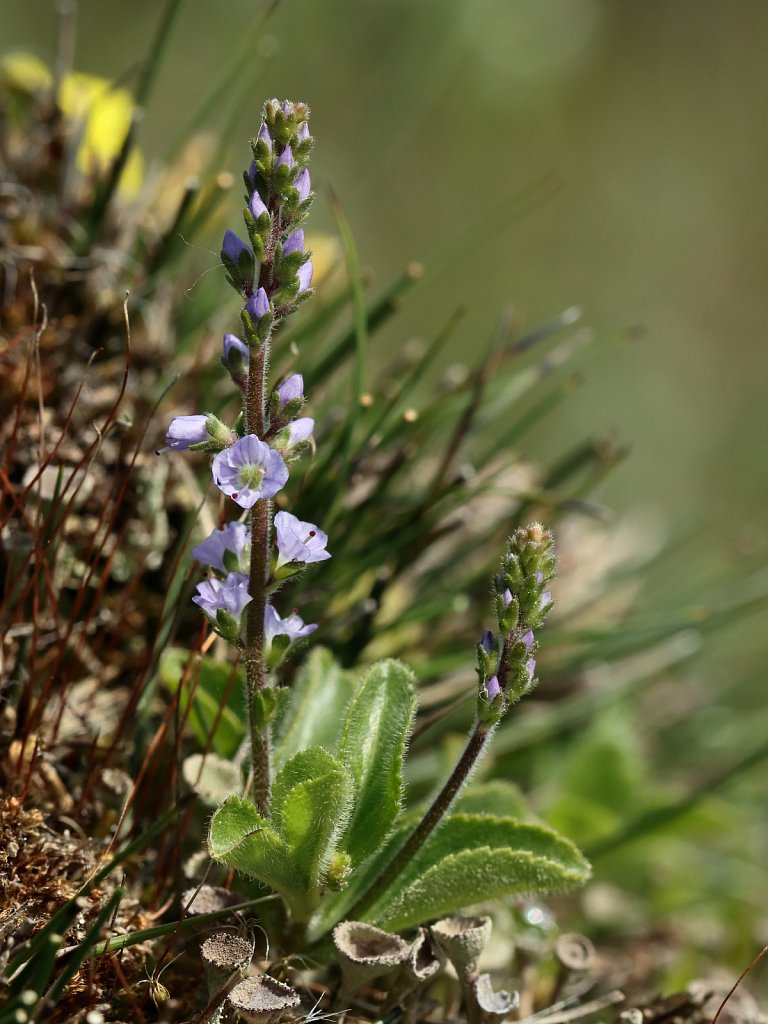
[[250, 477]]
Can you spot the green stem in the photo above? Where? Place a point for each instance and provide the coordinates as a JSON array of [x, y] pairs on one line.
[[440, 806]]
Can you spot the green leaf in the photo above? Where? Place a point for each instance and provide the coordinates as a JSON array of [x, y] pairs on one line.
[[240, 838], [497, 797], [209, 682], [473, 858], [372, 746], [311, 800], [313, 716], [335, 907]]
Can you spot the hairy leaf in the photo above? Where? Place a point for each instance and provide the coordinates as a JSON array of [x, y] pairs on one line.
[[314, 714], [497, 797], [473, 858], [372, 746], [311, 801], [240, 838]]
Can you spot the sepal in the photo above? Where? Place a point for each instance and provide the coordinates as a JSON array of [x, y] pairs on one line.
[[226, 625]]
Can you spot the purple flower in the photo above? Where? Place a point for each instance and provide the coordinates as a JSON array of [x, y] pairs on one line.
[[488, 641], [286, 157], [303, 184], [258, 305], [256, 205], [530, 668], [291, 389], [527, 639], [492, 689], [294, 242], [234, 538], [305, 276], [303, 133], [291, 626], [233, 246], [232, 344], [300, 430], [264, 135], [249, 470], [507, 597], [228, 595], [185, 431], [298, 541], [545, 600]]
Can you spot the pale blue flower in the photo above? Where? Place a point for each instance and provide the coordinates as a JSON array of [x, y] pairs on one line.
[[229, 595], [231, 345], [258, 305], [233, 246], [492, 689], [298, 541], [256, 205], [185, 431], [286, 157], [303, 184], [291, 626], [234, 539], [294, 242], [291, 389], [305, 276], [300, 430], [264, 135], [249, 470]]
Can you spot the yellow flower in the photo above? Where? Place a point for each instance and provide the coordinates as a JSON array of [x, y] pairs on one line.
[[327, 260], [105, 112], [101, 110], [24, 72]]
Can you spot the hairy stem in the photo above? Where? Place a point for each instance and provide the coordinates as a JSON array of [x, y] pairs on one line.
[[480, 735], [253, 652], [440, 805]]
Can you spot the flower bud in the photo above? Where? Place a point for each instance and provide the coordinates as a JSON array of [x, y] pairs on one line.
[[257, 315], [256, 206], [303, 185], [294, 242], [233, 246], [286, 159], [305, 277], [264, 136], [185, 431], [258, 305], [239, 262], [235, 356], [291, 390]]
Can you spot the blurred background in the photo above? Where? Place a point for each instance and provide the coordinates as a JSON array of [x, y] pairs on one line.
[[612, 155], [599, 154]]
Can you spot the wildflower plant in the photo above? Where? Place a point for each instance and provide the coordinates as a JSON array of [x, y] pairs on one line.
[[313, 748], [323, 823], [247, 561]]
